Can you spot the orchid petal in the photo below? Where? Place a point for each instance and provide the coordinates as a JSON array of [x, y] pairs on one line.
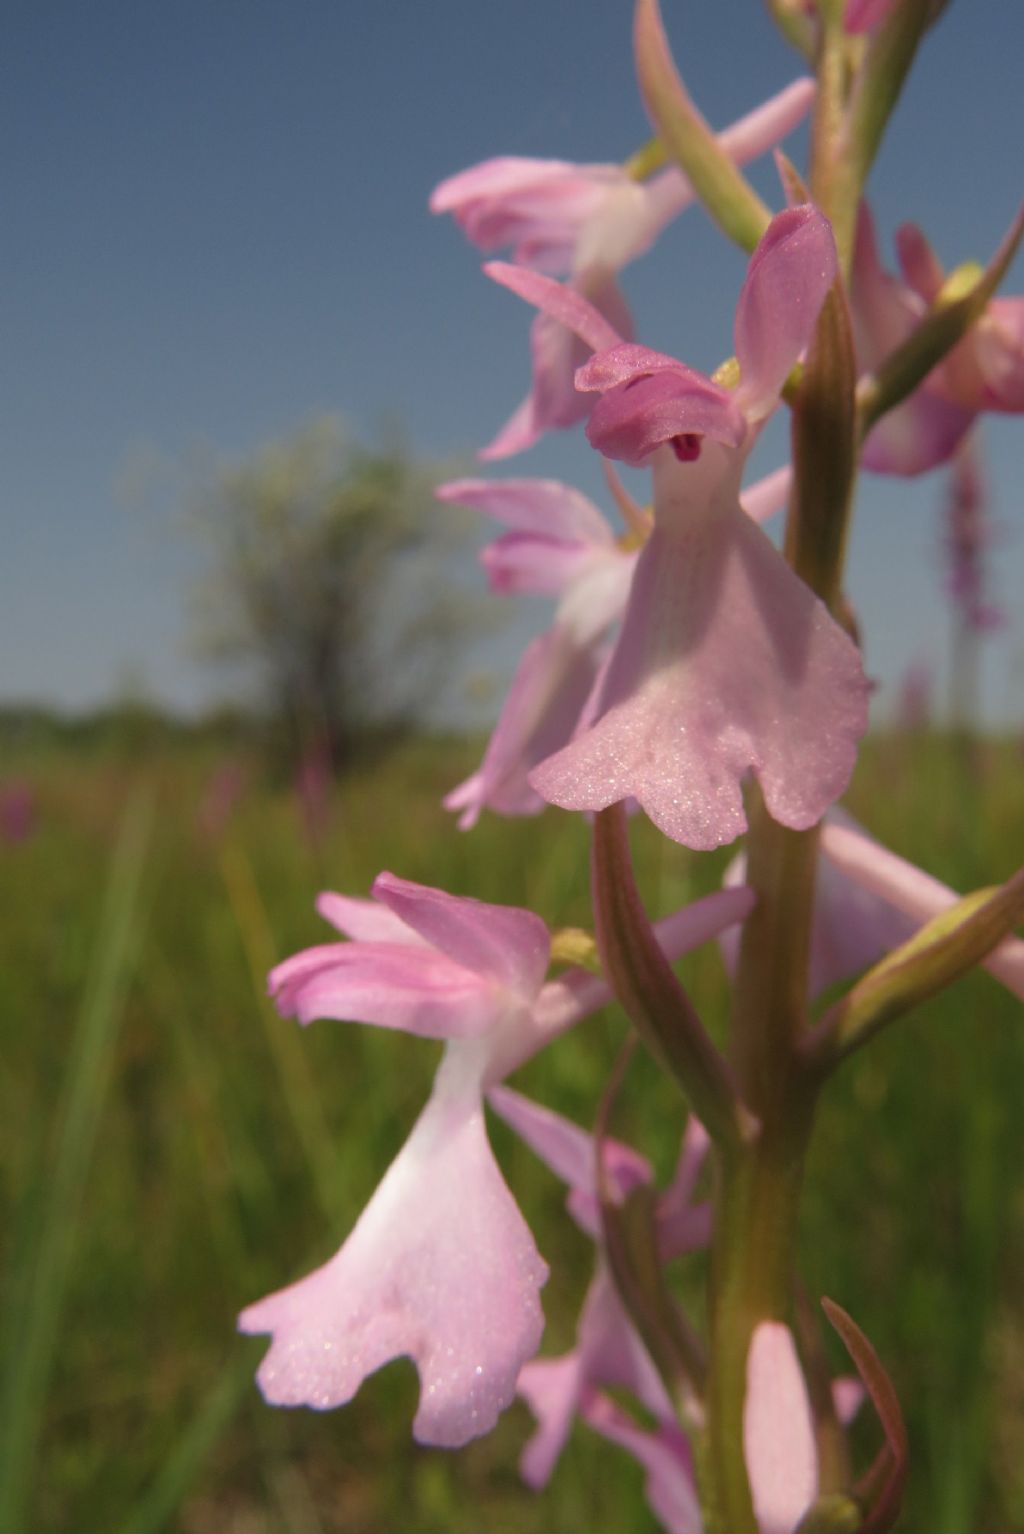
[[545, 507], [525, 564], [919, 434], [559, 301], [553, 680], [503, 943], [778, 1431], [665, 1456], [633, 419], [608, 1351], [769, 495], [569, 1152], [851, 928], [440, 1266], [918, 263], [520, 432], [788, 277], [396, 985], [365, 920]]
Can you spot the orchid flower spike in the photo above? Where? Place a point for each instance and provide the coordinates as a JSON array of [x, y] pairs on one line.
[[984, 371], [726, 661], [585, 222]]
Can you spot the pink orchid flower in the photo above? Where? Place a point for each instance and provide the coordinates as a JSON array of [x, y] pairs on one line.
[[560, 545], [726, 661], [441, 1265], [586, 222], [608, 1352], [985, 371]]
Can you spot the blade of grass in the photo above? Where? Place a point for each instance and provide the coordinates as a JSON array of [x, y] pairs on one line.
[[29, 1364], [171, 1485], [298, 1084]]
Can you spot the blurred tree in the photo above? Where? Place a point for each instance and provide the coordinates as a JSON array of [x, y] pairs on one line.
[[330, 582]]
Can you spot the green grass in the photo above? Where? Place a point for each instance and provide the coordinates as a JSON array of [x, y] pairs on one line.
[[171, 1149]]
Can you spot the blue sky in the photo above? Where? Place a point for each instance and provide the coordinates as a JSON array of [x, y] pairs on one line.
[[216, 230]]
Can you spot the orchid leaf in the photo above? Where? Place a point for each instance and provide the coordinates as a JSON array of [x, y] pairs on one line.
[[646, 985], [725, 192], [944, 948], [885, 1510]]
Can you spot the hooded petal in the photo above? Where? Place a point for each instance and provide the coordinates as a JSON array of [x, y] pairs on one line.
[[726, 662], [788, 277], [402, 985], [497, 942], [440, 1266], [778, 1431], [655, 406]]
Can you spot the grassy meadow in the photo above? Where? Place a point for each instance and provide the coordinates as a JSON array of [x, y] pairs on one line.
[[172, 1149]]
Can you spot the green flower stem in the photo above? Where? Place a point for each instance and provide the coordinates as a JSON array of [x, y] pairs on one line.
[[831, 170], [752, 1271], [757, 1198]]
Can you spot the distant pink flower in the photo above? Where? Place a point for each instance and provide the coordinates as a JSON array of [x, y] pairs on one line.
[[914, 709], [585, 222], [985, 371], [313, 781], [440, 1265], [220, 797], [726, 661], [17, 810], [968, 534]]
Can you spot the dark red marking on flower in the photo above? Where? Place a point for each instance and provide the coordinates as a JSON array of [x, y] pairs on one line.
[[686, 446]]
